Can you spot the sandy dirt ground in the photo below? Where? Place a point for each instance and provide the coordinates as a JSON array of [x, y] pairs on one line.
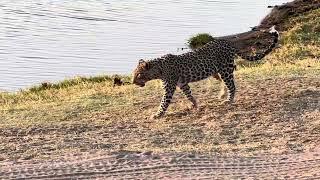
[[272, 130]]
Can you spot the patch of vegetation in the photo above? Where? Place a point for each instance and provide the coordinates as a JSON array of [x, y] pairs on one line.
[[72, 82], [199, 40]]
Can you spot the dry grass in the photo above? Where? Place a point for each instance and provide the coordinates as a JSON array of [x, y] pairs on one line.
[[276, 111]]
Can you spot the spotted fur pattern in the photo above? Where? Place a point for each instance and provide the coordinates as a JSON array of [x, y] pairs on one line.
[[216, 59]]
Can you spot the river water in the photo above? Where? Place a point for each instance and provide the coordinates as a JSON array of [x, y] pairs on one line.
[[50, 40]]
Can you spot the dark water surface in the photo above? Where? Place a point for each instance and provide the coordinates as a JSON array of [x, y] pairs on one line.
[[50, 40]]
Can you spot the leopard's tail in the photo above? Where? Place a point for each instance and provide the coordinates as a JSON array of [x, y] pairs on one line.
[[256, 57]]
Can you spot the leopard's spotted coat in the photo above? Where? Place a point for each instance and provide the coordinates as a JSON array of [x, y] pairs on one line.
[[216, 58]]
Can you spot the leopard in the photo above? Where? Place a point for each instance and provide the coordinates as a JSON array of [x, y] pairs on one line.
[[216, 58]]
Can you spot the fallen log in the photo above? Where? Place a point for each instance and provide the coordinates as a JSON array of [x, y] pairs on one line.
[[280, 14], [258, 40]]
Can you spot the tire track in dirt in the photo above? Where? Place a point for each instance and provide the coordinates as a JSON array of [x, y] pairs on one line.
[[132, 165]]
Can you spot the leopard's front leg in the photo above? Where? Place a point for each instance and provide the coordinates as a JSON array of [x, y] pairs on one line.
[[169, 88], [187, 91]]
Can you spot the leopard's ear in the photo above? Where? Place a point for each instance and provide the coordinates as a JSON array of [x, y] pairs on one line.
[[141, 61], [147, 64]]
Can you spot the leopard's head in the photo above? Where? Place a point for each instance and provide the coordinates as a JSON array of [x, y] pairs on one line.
[[144, 72]]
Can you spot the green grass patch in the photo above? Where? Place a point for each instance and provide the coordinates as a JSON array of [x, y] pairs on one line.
[[199, 40], [70, 82]]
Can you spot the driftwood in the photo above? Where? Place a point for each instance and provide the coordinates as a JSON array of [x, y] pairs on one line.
[[257, 39]]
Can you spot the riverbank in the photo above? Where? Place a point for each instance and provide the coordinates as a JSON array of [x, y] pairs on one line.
[[276, 110]]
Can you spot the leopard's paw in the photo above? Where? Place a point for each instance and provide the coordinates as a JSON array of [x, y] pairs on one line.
[[156, 116], [227, 102]]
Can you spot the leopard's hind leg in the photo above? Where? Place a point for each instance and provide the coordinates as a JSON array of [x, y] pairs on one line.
[[228, 80], [223, 88]]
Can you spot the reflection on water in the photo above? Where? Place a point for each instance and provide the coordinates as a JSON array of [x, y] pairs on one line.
[[49, 40]]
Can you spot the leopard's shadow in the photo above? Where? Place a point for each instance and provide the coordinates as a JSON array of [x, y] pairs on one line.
[[187, 112]]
